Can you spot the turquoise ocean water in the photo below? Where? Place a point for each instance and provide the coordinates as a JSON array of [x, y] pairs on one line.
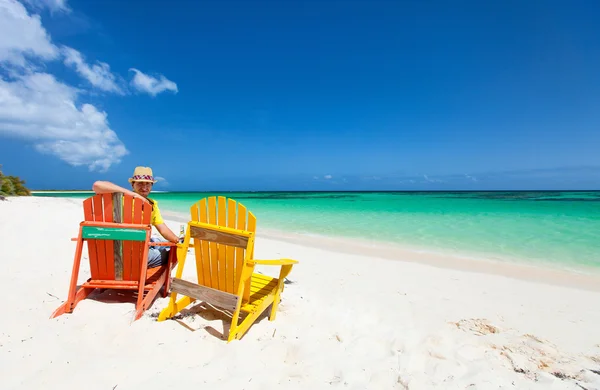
[[559, 229]]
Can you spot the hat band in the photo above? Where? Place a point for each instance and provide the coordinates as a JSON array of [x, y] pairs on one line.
[[142, 177]]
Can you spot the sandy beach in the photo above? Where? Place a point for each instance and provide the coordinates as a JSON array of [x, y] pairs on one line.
[[352, 318]]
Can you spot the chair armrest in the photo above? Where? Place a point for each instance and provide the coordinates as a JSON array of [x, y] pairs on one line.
[[275, 262], [152, 243], [162, 243]]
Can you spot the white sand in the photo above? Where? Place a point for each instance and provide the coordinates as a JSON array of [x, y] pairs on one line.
[[355, 321]]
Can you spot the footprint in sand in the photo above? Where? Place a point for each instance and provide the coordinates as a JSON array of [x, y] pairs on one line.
[[478, 326], [536, 359]]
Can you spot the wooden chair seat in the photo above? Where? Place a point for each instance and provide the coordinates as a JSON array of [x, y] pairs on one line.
[[261, 292]]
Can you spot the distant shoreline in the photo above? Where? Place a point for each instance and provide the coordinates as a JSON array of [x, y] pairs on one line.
[[64, 191], [73, 191], [321, 191]]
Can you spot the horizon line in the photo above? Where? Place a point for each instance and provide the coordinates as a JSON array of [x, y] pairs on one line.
[[329, 191]]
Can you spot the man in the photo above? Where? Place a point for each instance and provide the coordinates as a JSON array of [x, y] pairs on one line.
[[141, 183]]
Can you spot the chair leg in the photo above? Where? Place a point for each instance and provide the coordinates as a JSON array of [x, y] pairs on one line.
[[275, 305], [69, 306], [139, 306], [234, 327], [174, 307], [75, 295], [150, 295], [241, 329], [285, 270]]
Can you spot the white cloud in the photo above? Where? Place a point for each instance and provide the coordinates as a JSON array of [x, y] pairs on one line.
[[42, 110], [149, 84], [99, 74], [327, 177], [431, 180], [473, 178], [38, 108], [22, 36], [52, 5], [161, 181]]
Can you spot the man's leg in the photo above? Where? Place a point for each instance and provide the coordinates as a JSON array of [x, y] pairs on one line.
[[158, 255]]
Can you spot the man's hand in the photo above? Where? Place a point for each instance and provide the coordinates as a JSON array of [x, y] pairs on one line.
[[138, 196], [164, 231]]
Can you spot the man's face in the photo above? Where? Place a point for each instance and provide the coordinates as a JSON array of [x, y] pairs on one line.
[[143, 188]]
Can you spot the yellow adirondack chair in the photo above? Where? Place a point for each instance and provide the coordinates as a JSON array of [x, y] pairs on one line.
[[223, 233]]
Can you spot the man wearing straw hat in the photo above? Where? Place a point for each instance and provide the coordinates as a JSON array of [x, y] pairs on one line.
[[141, 183]]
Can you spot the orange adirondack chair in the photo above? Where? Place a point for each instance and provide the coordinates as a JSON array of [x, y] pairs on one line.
[[117, 231]]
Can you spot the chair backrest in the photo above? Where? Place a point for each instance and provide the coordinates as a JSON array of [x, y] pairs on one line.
[[220, 255], [120, 256]]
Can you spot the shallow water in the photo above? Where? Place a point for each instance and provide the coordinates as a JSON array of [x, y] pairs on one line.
[[554, 228]]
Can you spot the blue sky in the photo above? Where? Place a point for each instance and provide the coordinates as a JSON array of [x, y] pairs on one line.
[[311, 95]]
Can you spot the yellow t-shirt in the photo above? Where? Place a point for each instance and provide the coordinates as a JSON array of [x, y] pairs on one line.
[[156, 218]]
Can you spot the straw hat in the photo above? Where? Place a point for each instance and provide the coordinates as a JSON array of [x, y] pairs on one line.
[[142, 174]]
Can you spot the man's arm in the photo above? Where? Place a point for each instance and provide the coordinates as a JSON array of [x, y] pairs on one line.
[[102, 187], [164, 231]]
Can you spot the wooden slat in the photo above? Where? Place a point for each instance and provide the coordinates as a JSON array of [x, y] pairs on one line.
[[251, 222], [251, 226], [230, 252], [137, 211], [261, 280], [153, 274], [195, 215], [239, 252], [215, 236], [117, 201], [133, 286], [136, 247], [127, 209], [113, 233], [214, 261], [127, 245], [203, 249], [194, 212], [98, 210], [100, 244], [112, 283], [88, 215], [203, 212], [109, 244], [107, 207], [107, 210], [146, 213], [221, 254], [214, 297], [262, 286]]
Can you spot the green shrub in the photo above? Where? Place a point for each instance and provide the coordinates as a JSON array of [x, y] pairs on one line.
[[19, 186], [12, 185], [7, 186]]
